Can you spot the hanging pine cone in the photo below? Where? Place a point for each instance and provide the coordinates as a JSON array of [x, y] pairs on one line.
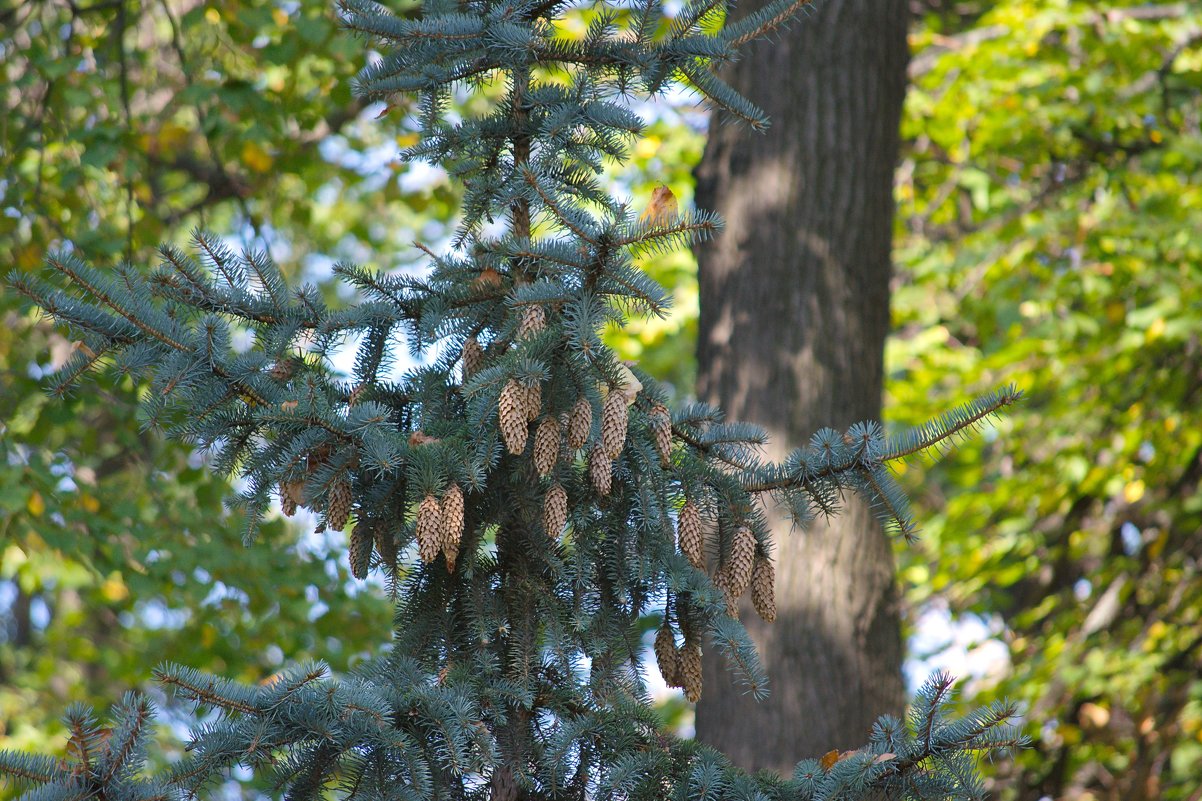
[[511, 414], [661, 430], [546, 446], [763, 588], [385, 543], [287, 500], [613, 423], [667, 656], [600, 470], [429, 529], [360, 551], [452, 524], [532, 401], [282, 370], [723, 581], [338, 504], [533, 321], [580, 423], [555, 510], [741, 560], [689, 535], [473, 358], [690, 670]]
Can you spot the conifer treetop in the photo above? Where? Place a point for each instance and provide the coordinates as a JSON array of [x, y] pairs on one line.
[[527, 495]]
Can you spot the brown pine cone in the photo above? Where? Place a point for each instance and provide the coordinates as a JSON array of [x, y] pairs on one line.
[[690, 670], [613, 423], [385, 543], [429, 529], [763, 588], [452, 524], [338, 504], [667, 655], [741, 560], [473, 357], [723, 581], [689, 535], [533, 321], [282, 370], [511, 414], [555, 511], [287, 500], [546, 446], [661, 429], [360, 551], [600, 470], [580, 423], [532, 401]]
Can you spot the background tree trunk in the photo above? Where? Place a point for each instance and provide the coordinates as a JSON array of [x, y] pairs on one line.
[[794, 314]]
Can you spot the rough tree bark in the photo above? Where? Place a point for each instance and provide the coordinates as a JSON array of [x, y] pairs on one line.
[[794, 314]]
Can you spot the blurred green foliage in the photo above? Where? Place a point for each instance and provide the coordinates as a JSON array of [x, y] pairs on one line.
[[1050, 235]]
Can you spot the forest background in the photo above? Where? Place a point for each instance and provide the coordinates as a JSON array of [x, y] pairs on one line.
[[1050, 204]]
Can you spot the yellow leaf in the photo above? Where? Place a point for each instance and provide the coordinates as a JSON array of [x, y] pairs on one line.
[[662, 208], [1134, 491], [1156, 329], [647, 147], [36, 505], [213, 15], [89, 503], [279, 16], [630, 385], [113, 589], [255, 157]]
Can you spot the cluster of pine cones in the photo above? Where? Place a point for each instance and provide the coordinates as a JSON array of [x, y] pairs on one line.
[[440, 522], [743, 568]]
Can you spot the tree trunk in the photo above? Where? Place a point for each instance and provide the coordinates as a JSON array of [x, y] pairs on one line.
[[794, 314]]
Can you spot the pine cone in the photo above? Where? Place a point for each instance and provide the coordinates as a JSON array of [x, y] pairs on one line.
[[555, 511], [580, 423], [689, 535], [452, 524], [282, 370], [723, 581], [546, 446], [690, 670], [532, 401], [511, 414], [763, 588], [360, 551], [473, 358], [385, 543], [287, 500], [600, 470], [661, 429], [613, 423], [667, 656], [533, 321], [429, 529], [338, 504], [741, 560]]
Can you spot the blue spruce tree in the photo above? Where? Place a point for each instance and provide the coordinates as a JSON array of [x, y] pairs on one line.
[[527, 495]]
